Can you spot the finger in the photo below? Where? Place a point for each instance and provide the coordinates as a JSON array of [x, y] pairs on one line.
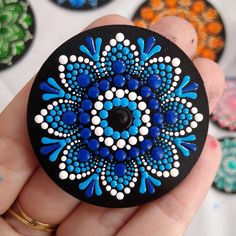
[[171, 214], [108, 221], [17, 160], [40, 192], [179, 31], [213, 78]]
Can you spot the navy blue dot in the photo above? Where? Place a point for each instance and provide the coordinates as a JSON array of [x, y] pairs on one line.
[[83, 80], [93, 144], [171, 117], [154, 132], [85, 133], [154, 81], [84, 118], [134, 152], [119, 67], [157, 153], [146, 92], [83, 155], [69, 117], [93, 92], [120, 155], [104, 85], [86, 104], [104, 151], [133, 84], [153, 104], [158, 118], [120, 169], [146, 145], [119, 81]]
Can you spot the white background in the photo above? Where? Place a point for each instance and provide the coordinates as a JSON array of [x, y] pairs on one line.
[[55, 25]]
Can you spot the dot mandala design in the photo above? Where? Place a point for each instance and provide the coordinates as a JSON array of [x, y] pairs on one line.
[[118, 117], [81, 4], [200, 13], [16, 30], [225, 179]]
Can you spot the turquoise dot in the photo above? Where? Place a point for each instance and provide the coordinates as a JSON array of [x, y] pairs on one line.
[[124, 102], [137, 122], [104, 123], [49, 119], [103, 114], [132, 106], [116, 102], [116, 135], [113, 184], [108, 131], [133, 130], [137, 113], [108, 105], [54, 125], [125, 134]]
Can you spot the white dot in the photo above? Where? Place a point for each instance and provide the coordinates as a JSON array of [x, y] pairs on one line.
[[113, 42], [61, 68], [120, 37], [189, 130], [189, 104], [44, 125], [121, 143], [167, 59], [120, 196], [63, 59], [142, 106], [131, 184], [44, 112], [178, 70], [143, 130], [166, 174], [101, 139], [108, 48], [127, 190], [98, 131], [38, 119], [50, 131], [62, 166], [194, 110], [98, 105], [108, 188], [176, 164], [176, 62], [73, 58], [114, 147], [198, 117], [145, 118], [96, 120], [133, 47], [128, 147], [80, 59], [174, 172], [193, 124], [109, 142], [159, 173], [132, 140], [160, 59], [120, 93], [113, 192], [109, 95], [63, 175], [140, 138], [126, 42], [72, 176], [132, 96]]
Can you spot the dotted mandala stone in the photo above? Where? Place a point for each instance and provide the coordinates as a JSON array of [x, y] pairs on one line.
[[16, 30], [118, 116], [225, 179], [81, 4]]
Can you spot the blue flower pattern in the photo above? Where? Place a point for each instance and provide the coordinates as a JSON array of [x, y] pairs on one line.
[[79, 3], [107, 78]]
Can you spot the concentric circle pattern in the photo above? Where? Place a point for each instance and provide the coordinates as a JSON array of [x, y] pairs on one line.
[[225, 179], [118, 116]]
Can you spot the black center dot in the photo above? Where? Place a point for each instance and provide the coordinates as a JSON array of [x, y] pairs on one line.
[[120, 119]]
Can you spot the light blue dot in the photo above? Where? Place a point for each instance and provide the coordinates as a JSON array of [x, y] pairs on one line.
[[108, 131], [103, 114], [116, 135], [116, 102], [108, 105], [124, 102], [104, 123], [133, 130], [132, 106], [125, 134], [137, 113]]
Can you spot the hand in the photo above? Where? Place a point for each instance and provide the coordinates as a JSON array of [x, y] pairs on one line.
[[22, 178]]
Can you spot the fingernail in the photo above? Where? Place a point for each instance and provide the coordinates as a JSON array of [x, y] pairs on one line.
[[213, 144]]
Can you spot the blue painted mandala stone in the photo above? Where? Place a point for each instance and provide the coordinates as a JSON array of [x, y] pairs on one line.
[[118, 116]]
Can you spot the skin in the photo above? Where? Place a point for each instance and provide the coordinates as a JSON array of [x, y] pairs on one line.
[[23, 178]]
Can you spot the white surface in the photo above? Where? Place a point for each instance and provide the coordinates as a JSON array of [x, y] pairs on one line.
[[55, 25]]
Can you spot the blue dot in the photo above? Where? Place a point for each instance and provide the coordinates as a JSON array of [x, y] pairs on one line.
[[124, 102], [125, 134], [132, 106], [93, 144], [154, 132], [158, 118], [86, 104], [85, 133], [70, 168], [84, 118], [49, 119], [104, 151], [69, 117], [171, 117], [104, 123], [119, 66], [108, 131], [83, 155], [108, 105], [133, 84], [116, 135], [137, 114], [83, 80], [157, 153], [146, 92], [104, 85], [137, 122], [103, 114], [133, 130], [153, 104], [93, 92], [119, 81], [116, 102], [120, 169], [154, 81], [146, 145], [134, 152], [120, 155]]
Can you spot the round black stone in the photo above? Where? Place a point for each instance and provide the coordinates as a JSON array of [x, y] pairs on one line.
[[120, 119]]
